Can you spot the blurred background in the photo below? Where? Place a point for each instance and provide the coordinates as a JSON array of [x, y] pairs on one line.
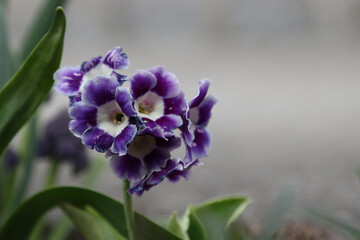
[[286, 74]]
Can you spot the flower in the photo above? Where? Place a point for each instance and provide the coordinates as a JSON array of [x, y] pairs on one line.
[[58, 144], [158, 100], [146, 154], [194, 130], [104, 118], [71, 80], [136, 126]]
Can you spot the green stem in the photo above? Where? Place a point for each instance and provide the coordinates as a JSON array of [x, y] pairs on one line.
[[52, 174], [128, 209]]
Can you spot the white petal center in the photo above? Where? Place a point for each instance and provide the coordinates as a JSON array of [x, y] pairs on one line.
[[111, 119], [150, 105], [100, 69]]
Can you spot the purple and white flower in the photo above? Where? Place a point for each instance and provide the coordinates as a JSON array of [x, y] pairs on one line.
[[104, 119], [158, 100], [145, 154], [70, 81]]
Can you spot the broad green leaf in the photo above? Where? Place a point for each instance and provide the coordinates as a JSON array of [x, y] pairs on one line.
[[27, 214], [195, 228], [176, 228], [91, 226], [336, 221], [30, 85], [217, 215], [5, 56], [39, 26]]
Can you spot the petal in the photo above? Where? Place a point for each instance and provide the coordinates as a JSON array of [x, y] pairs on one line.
[[68, 80], [169, 122], [97, 138], [154, 178], [169, 144], [99, 91], [167, 83], [74, 99], [78, 127], [156, 160], [156, 132], [124, 139], [127, 167], [141, 83], [201, 143], [115, 59], [186, 134], [205, 110], [124, 99], [120, 78], [176, 105], [203, 89], [175, 175], [87, 66], [83, 112]]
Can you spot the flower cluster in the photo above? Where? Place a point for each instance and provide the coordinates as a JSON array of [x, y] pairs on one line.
[[135, 125]]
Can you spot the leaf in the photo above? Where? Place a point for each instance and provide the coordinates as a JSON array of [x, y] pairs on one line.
[[39, 26], [336, 221], [217, 215], [5, 56], [30, 85], [275, 215], [176, 228], [91, 226], [27, 214], [195, 228]]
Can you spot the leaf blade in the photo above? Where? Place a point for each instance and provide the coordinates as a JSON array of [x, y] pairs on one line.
[[22, 95], [112, 211]]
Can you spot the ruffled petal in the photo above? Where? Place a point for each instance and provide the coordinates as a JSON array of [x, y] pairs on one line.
[[201, 144], [176, 105], [157, 159], [78, 127], [87, 66], [115, 59], [203, 89], [68, 80], [167, 83], [124, 99], [170, 144], [124, 139], [83, 112], [205, 110], [99, 91], [97, 139], [120, 78], [141, 83], [175, 175], [169, 122], [127, 167], [155, 178]]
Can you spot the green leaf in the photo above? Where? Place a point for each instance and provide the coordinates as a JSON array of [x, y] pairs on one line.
[[39, 26], [176, 228], [27, 214], [275, 216], [195, 229], [91, 226], [5, 56], [217, 215], [336, 221], [22, 95]]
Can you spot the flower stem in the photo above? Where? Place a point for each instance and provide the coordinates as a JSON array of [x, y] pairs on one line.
[[128, 210]]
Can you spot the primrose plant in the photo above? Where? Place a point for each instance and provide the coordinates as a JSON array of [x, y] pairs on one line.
[[136, 121], [135, 126]]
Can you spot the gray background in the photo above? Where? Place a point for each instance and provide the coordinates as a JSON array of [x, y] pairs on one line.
[[286, 74]]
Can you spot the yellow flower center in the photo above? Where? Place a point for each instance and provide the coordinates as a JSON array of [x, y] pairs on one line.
[[118, 118]]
